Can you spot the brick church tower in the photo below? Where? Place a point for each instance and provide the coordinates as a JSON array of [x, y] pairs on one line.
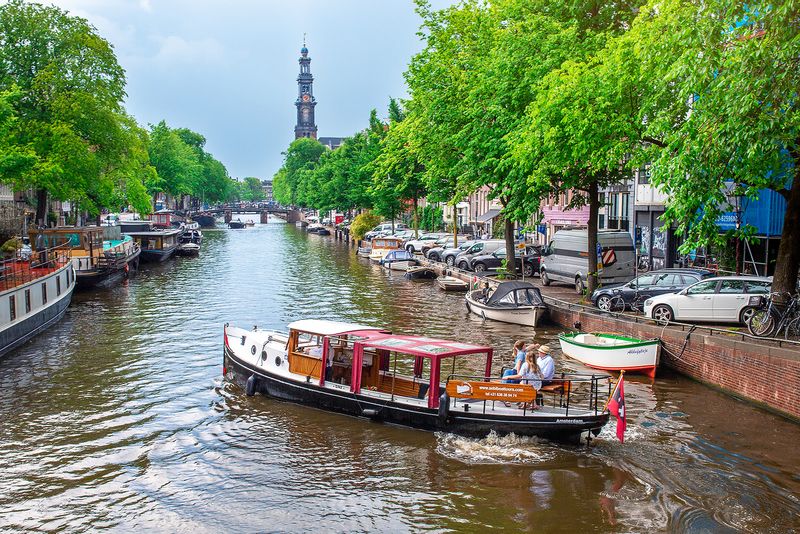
[[305, 102]]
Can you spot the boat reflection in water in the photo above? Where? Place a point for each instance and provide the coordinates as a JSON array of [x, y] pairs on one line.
[[353, 369]]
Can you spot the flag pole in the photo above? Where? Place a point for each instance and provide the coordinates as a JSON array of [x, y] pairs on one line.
[[621, 372]]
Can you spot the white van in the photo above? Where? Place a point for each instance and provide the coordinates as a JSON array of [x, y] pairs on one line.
[[565, 259]]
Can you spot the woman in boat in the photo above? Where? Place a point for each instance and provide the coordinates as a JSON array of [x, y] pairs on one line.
[[529, 374], [518, 353]]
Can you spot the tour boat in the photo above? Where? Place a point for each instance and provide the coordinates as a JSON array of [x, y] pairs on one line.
[[236, 225], [451, 283], [612, 352], [382, 245], [398, 260], [34, 294], [512, 302], [421, 273], [408, 380], [100, 255]]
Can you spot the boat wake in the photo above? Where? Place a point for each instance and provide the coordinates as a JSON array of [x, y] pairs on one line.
[[494, 449]]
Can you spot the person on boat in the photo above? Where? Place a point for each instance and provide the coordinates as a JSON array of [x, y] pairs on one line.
[[518, 353], [529, 374], [546, 364]]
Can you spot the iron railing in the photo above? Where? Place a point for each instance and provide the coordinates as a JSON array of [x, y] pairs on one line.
[[17, 271]]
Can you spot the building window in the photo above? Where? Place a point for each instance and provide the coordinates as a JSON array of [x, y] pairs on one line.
[[44, 293], [601, 221], [27, 301], [58, 285], [644, 175], [625, 211], [12, 306]]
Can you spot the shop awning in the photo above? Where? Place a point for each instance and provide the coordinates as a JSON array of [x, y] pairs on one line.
[[489, 215]]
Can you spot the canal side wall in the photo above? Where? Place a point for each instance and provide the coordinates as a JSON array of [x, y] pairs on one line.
[[763, 372]]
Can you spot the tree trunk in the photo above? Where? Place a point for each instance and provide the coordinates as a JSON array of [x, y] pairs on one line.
[[594, 207], [41, 207], [788, 260], [416, 218], [508, 228], [455, 226]]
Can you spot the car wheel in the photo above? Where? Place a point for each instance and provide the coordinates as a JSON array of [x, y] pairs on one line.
[[746, 313], [604, 303], [450, 261], [434, 257], [663, 314], [410, 248], [580, 287], [464, 266], [545, 279], [480, 268], [527, 269]]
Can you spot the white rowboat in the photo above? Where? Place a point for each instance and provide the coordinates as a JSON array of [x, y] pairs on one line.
[[612, 352]]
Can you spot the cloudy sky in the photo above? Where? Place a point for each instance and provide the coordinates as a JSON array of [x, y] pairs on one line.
[[227, 68]]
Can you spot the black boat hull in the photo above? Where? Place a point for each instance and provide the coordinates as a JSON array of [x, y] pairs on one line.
[[157, 255], [471, 423], [21, 332], [205, 221], [107, 277]]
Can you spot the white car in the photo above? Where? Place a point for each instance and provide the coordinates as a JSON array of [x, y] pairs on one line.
[[415, 245], [724, 299]]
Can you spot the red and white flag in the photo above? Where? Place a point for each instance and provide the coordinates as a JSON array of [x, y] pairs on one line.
[[616, 406]]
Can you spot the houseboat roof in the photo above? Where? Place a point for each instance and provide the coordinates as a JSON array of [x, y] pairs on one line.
[[425, 347], [329, 328]]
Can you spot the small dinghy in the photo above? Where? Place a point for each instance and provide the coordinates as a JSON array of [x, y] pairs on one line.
[[364, 252], [512, 302], [451, 283], [421, 273], [612, 352]]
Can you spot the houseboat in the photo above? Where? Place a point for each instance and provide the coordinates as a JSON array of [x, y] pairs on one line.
[[381, 246], [34, 294], [100, 255], [156, 245], [166, 219], [408, 380], [205, 220]]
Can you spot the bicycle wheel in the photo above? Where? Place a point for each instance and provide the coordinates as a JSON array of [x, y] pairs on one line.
[[792, 330], [761, 323], [617, 304]]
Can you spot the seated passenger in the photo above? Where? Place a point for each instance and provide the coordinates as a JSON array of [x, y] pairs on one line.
[[315, 352], [546, 364], [518, 353], [529, 374]]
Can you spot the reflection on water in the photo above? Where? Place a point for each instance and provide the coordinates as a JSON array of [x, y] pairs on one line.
[[118, 418]]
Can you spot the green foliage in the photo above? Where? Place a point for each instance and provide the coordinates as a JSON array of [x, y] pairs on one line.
[[363, 223], [431, 219], [250, 189]]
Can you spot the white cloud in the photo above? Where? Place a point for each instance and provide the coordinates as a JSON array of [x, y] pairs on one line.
[[145, 4], [177, 50]]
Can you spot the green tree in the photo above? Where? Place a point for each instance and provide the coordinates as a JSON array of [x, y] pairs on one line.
[[253, 188], [302, 154], [69, 113], [177, 164], [363, 223]]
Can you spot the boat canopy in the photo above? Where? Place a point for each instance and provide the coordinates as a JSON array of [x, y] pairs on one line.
[[398, 255], [329, 328], [424, 347], [515, 293]]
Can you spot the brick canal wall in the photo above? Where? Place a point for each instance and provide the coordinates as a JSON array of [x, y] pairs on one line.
[[761, 371], [766, 374]]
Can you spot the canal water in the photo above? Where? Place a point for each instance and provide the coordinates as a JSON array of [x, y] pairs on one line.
[[118, 417]]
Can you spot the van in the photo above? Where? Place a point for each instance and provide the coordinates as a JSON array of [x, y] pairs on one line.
[[565, 258], [480, 248]]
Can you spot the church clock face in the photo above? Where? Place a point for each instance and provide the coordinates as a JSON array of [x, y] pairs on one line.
[[306, 98]]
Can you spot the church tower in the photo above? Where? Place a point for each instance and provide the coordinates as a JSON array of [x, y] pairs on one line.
[[305, 102]]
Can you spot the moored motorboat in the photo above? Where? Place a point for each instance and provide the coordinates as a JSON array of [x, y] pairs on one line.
[[354, 369], [451, 283], [364, 252], [399, 260], [382, 245], [189, 243], [612, 352], [249, 223], [34, 293], [421, 273], [511, 302]]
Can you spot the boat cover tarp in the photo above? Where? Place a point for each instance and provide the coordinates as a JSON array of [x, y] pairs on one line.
[[398, 255], [515, 293]]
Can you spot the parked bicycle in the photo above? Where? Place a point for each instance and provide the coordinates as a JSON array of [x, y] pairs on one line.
[[774, 316], [618, 304]]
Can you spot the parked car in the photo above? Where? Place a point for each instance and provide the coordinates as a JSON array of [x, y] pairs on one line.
[[448, 255], [723, 299], [384, 229], [462, 261], [415, 245], [565, 259], [443, 242], [648, 285], [493, 261]]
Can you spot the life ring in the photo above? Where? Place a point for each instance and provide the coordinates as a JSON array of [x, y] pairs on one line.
[[250, 386]]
